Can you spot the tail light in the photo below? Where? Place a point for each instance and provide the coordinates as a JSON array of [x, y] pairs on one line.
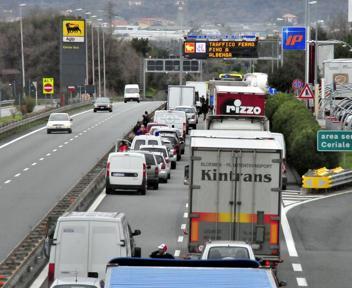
[[267, 263], [167, 160], [108, 169], [163, 166], [157, 170], [51, 272], [144, 170]]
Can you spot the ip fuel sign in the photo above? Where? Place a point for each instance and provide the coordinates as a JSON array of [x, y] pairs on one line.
[[334, 140]]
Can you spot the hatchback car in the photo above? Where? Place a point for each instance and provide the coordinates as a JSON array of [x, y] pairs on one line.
[[222, 250], [164, 172], [152, 169], [102, 103], [161, 149], [191, 113], [59, 122]]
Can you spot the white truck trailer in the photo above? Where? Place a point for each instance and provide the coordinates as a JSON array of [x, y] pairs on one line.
[[179, 95], [234, 190]]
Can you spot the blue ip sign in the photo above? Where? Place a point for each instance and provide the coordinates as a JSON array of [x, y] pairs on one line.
[[272, 91], [294, 38], [334, 140]]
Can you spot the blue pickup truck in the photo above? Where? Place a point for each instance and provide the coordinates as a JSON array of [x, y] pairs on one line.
[[165, 273]]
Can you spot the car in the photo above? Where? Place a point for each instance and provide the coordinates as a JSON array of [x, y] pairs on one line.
[[161, 149], [145, 140], [126, 171], [191, 113], [152, 124], [77, 282], [170, 148], [174, 132], [102, 103], [59, 122], [164, 172], [174, 151], [174, 119], [222, 250], [152, 169]]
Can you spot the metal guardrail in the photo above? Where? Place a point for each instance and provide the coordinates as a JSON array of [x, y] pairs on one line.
[[324, 178], [43, 115], [6, 102], [27, 259]]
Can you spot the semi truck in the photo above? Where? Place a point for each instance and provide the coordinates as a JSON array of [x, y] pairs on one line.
[[188, 274], [180, 95], [235, 181]]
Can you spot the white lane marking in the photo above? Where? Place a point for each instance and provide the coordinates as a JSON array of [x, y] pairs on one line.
[[186, 205], [54, 150], [80, 134], [17, 175], [297, 267], [66, 143], [25, 169], [291, 247], [34, 163], [97, 201], [41, 278], [71, 139], [48, 154], [85, 131], [183, 227], [35, 131], [177, 253], [180, 239], [185, 215], [7, 181], [76, 136], [302, 282], [41, 159], [60, 146]]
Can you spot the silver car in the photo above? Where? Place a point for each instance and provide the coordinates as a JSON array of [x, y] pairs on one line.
[[192, 116]]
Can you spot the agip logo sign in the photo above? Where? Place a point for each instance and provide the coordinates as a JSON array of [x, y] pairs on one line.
[[294, 38], [73, 30]]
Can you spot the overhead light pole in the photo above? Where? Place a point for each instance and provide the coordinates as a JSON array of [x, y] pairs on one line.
[[22, 54], [307, 24], [104, 67], [93, 58], [99, 72], [86, 38]]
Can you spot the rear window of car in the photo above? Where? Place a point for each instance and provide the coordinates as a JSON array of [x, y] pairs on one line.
[[228, 252], [159, 159], [149, 159], [187, 110], [102, 100], [153, 142], [58, 117], [171, 139], [138, 144], [156, 150]]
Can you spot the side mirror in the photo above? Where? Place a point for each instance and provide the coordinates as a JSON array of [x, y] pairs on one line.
[[186, 175], [136, 232]]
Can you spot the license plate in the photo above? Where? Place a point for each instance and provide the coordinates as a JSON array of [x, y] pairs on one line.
[[121, 174]]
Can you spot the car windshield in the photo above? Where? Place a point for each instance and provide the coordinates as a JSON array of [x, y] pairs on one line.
[[132, 90], [228, 252], [59, 117], [185, 109], [102, 100]]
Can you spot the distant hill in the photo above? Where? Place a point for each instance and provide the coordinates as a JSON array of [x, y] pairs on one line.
[[197, 11]]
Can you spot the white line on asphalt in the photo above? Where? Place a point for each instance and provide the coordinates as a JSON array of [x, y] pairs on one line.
[[183, 227], [35, 131], [60, 146], [177, 253], [302, 282], [71, 139], [291, 247], [185, 215], [18, 174], [25, 169], [41, 159], [48, 154], [7, 181], [186, 205], [54, 150], [180, 239], [34, 163], [297, 267], [85, 131], [97, 202], [80, 134], [66, 143]]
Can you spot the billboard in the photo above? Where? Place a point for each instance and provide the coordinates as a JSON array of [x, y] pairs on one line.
[[73, 30], [195, 49], [293, 38]]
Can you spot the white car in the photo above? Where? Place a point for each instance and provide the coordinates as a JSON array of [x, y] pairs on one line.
[[222, 250], [79, 282], [59, 122]]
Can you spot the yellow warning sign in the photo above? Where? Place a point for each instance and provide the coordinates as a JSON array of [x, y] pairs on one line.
[[48, 85], [73, 30]]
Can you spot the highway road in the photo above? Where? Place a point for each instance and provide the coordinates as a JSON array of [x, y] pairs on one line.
[[38, 169]]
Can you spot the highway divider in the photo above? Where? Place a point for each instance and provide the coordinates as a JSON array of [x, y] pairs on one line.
[[29, 257], [324, 178]]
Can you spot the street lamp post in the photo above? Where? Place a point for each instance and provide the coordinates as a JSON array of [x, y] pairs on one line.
[[104, 67], [93, 65], [22, 53], [99, 74], [307, 20]]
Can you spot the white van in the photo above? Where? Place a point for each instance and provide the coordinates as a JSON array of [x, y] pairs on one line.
[[84, 242], [131, 93], [145, 140], [173, 119], [126, 171]]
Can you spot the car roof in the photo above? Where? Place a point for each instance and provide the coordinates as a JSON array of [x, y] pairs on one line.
[[153, 146], [227, 243], [76, 280], [146, 137], [59, 113]]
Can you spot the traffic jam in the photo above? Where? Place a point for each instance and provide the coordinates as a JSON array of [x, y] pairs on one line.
[[234, 175]]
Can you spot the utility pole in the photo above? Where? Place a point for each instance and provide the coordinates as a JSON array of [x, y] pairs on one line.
[[99, 78], [22, 54]]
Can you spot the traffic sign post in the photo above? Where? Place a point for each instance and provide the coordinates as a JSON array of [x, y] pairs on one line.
[[334, 141], [48, 86], [306, 93], [297, 84]]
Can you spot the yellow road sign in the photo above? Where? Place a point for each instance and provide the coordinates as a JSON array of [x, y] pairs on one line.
[[73, 30], [48, 85]]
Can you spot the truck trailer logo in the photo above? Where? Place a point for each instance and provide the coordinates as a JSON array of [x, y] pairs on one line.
[[213, 175], [238, 108]]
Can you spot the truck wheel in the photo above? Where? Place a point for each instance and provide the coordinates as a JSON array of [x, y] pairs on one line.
[[138, 101], [69, 131], [94, 110], [125, 101], [48, 131], [143, 191]]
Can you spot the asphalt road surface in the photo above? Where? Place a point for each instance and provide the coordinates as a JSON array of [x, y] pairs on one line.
[[37, 170]]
